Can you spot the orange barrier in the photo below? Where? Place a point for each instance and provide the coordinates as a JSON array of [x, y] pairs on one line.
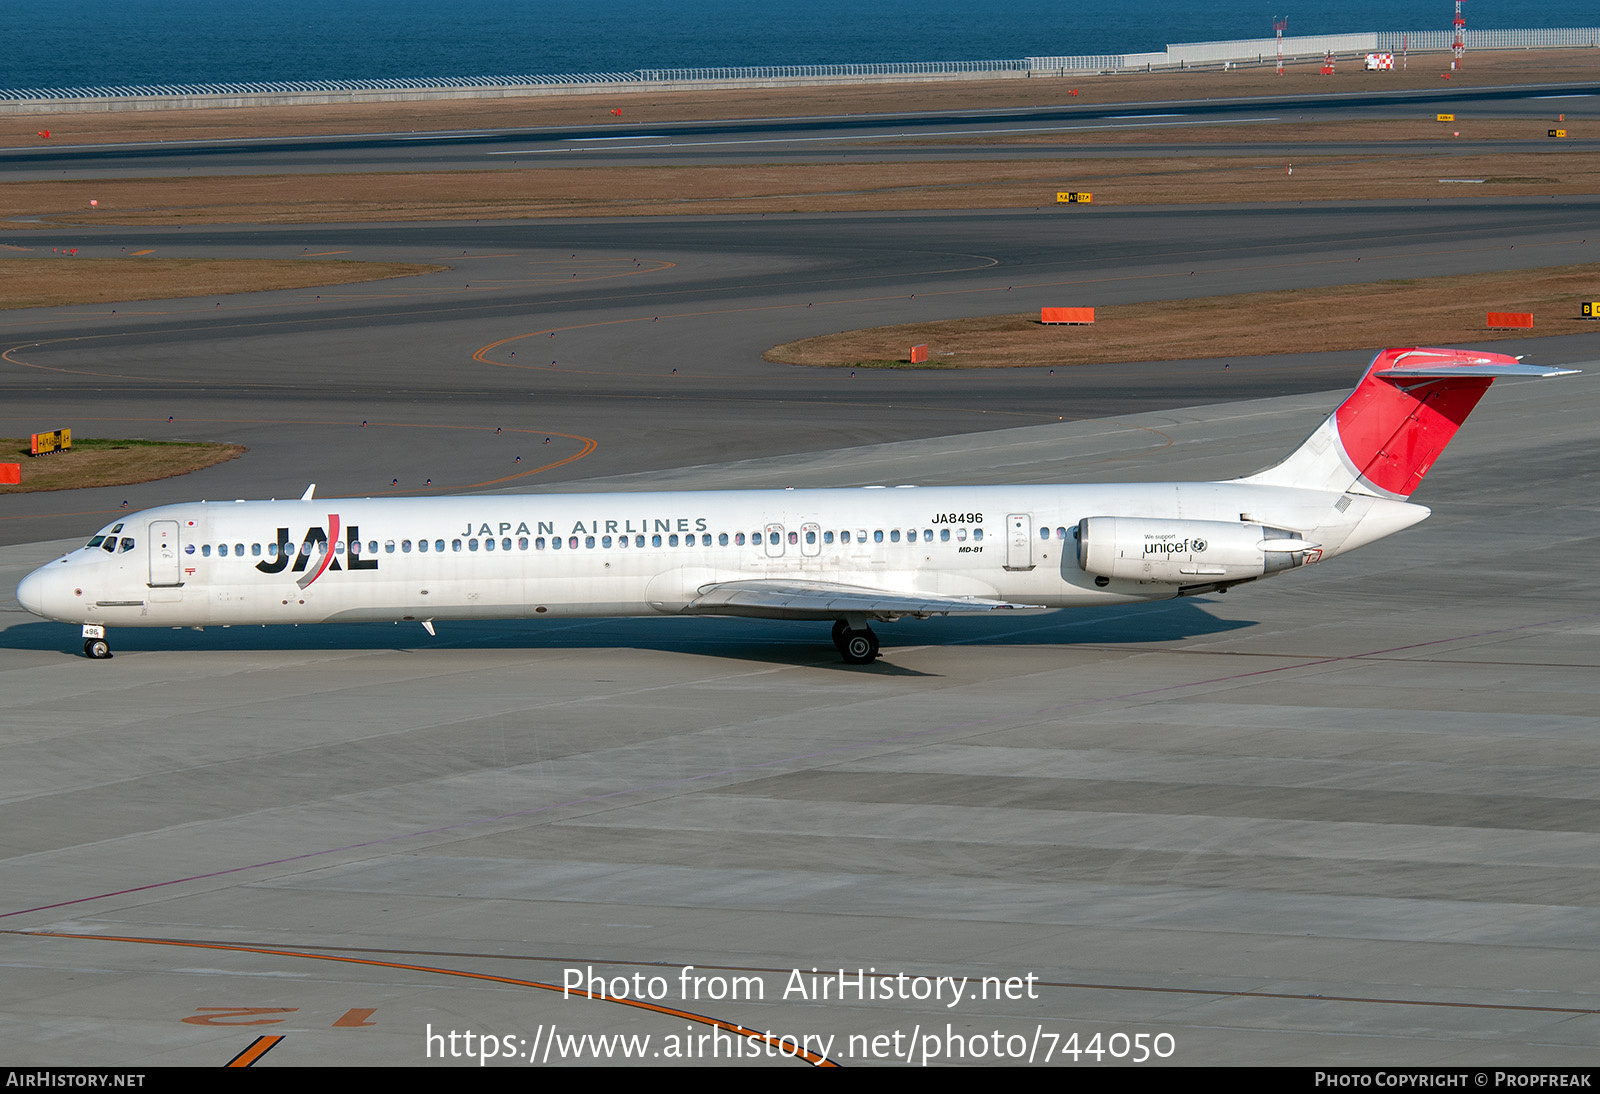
[[10, 474], [919, 354], [1066, 315], [1508, 320], [55, 441]]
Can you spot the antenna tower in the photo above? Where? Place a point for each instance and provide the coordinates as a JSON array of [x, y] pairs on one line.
[[1281, 25], [1459, 49]]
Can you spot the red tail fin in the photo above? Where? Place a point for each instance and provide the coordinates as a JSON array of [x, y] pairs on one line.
[[1386, 434]]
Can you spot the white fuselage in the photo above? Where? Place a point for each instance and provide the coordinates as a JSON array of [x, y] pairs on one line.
[[480, 557]]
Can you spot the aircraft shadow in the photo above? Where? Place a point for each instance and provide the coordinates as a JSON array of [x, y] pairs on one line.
[[753, 640]]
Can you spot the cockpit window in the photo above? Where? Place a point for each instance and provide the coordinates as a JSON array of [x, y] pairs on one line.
[[127, 543], [106, 540]]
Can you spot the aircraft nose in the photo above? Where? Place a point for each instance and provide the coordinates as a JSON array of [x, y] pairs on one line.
[[41, 593], [30, 593]]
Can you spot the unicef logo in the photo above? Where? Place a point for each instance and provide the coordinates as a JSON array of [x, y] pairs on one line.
[[1199, 546]]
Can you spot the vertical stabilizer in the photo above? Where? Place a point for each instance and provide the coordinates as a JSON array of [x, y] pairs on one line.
[[1387, 433]]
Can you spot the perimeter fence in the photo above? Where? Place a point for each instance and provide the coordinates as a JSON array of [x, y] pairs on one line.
[[1181, 55]]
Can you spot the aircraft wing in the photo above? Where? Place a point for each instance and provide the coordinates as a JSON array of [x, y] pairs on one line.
[[790, 598]]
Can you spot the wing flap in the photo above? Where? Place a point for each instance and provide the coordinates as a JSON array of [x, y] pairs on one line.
[[767, 598]]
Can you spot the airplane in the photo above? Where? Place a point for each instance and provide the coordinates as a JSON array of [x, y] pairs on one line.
[[851, 556]]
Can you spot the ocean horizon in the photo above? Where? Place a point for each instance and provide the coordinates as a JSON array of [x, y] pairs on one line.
[[132, 42]]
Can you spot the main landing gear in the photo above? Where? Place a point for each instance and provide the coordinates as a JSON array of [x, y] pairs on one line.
[[95, 646], [857, 645]]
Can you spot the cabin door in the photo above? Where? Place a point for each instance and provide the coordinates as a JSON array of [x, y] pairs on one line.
[[165, 571], [1019, 541]]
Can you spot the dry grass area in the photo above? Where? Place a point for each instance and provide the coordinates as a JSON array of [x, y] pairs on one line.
[[1427, 311], [48, 282], [1482, 69], [822, 187], [109, 462]]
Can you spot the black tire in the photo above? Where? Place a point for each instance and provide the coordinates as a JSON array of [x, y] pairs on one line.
[[839, 628], [97, 649], [858, 647]]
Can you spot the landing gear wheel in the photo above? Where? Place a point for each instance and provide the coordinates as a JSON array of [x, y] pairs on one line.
[[839, 628], [858, 647], [96, 649]]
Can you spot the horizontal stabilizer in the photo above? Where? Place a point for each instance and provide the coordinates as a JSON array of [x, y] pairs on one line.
[[793, 599], [1511, 371]]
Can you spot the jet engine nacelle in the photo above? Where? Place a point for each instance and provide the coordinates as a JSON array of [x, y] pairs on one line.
[[1186, 552]]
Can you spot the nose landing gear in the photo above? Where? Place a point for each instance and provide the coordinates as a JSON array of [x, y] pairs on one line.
[[95, 646]]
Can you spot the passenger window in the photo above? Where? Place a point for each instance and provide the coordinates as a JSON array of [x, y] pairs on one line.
[[605, 541], [794, 537], [738, 539], [977, 533], [1044, 533], [655, 540], [672, 540], [811, 537], [961, 535], [372, 546], [455, 545], [573, 543], [522, 543], [422, 546], [877, 536], [255, 550], [722, 539], [472, 544], [827, 537], [538, 544], [405, 546], [238, 549], [205, 550], [555, 543], [588, 541], [844, 537], [755, 537], [894, 535], [927, 535], [505, 544], [488, 545], [622, 541], [638, 541], [438, 545], [944, 535], [861, 535]]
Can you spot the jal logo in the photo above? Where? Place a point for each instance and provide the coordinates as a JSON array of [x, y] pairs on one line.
[[316, 544]]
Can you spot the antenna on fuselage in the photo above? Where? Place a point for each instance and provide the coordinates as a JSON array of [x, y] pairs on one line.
[[312, 489]]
